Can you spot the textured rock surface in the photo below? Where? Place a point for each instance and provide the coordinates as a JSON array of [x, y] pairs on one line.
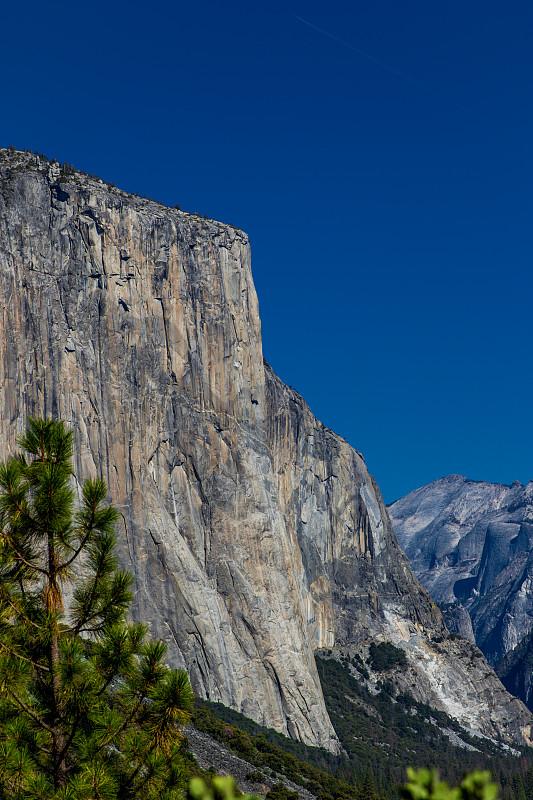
[[515, 670], [471, 542], [254, 533], [211, 754], [458, 620]]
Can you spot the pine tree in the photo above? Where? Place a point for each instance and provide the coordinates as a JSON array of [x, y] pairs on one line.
[[366, 790], [88, 708]]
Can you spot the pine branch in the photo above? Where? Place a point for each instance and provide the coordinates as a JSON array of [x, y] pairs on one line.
[[84, 541], [22, 614], [39, 763], [17, 655], [81, 624], [70, 739], [140, 765], [30, 711], [33, 523], [90, 528], [105, 686], [21, 557], [124, 725], [81, 627]]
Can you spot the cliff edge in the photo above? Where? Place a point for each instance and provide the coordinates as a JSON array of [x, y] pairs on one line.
[[254, 533]]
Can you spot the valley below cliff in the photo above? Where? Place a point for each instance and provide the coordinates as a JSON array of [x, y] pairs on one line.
[[255, 534]]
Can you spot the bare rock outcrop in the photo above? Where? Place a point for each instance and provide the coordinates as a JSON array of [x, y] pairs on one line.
[[470, 544], [254, 533]]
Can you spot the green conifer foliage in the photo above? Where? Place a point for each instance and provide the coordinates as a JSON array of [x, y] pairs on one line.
[[425, 784], [88, 708], [221, 788]]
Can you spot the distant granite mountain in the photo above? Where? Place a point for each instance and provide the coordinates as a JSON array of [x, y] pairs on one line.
[[471, 545], [254, 533], [515, 670]]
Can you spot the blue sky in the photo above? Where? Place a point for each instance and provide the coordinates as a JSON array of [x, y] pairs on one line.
[[379, 156]]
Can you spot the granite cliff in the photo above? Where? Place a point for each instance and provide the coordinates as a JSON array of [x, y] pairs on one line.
[[470, 544], [515, 670], [254, 533]]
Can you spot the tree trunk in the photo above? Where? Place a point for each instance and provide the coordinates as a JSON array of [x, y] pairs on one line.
[[54, 602]]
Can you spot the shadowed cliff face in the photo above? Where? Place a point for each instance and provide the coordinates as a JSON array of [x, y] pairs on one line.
[[255, 534]]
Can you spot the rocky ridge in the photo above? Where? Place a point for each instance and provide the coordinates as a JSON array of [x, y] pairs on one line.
[[210, 754], [254, 533]]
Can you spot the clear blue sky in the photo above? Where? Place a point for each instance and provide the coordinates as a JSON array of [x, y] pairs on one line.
[[379, 154]]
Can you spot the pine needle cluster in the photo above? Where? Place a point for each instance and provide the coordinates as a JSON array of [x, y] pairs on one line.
[[88, 708]]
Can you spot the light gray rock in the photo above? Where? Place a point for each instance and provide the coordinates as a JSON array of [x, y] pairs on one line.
[[458, 620], [255, 534], [471, 542]]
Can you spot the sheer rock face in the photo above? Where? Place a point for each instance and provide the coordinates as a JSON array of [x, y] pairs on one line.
[[254, 533], [515, 670], [471, 542], [458, 620], [354, 573]]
